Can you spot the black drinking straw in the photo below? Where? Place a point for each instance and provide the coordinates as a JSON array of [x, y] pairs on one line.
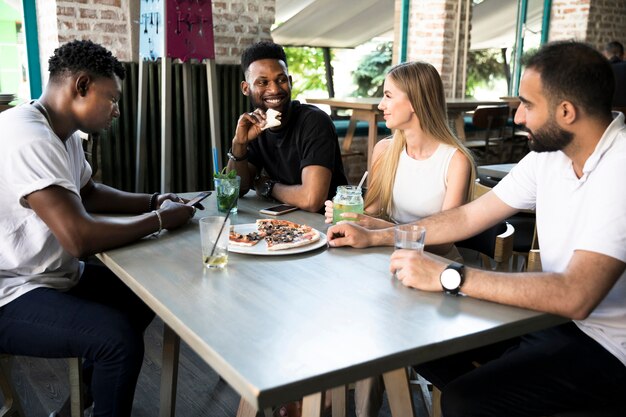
[[232, 204]]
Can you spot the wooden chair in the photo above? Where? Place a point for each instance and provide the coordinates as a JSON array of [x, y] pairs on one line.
[[493, 247], [12, 406], [524, 223], [491, 122]]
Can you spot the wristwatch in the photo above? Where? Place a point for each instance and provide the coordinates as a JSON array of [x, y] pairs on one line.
[[266, 188], [452, 278]]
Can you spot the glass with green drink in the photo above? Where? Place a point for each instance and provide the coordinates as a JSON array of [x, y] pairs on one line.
[[347, 200], [227, 191]]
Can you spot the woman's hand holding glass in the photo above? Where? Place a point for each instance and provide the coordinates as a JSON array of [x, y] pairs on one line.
[[364, 220]]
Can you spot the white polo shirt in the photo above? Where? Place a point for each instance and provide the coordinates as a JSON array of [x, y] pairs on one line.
[[587, 213]]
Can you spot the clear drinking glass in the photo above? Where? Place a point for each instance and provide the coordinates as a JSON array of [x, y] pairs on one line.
[[409, 236], [209, 231]]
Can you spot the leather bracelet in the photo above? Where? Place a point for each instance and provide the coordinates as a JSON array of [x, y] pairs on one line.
[[232, 157], [158, 232], [152, 204]]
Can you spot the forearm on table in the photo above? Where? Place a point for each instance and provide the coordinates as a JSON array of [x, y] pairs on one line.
[[245, 171], [300, 196]]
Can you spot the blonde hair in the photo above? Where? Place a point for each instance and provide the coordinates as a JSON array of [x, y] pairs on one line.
[[422, 84]]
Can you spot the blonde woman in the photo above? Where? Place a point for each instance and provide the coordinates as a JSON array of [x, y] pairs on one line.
[[423, 168]]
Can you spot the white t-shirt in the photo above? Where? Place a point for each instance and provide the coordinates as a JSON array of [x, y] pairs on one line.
[[32, 158], [580, 214], [420, 185]]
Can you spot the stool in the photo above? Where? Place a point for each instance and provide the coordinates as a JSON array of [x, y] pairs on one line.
[[12, 406]]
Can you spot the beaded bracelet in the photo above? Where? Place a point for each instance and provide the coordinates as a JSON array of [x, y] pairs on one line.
[[158, 232], [152, 204]]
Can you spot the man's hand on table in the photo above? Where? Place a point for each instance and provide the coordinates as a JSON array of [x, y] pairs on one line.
[[349, 234], [417, 270]]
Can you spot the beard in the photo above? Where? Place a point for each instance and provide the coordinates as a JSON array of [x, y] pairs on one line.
[[549, 138]]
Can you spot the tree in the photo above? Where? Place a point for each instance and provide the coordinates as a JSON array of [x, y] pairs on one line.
[[307, 69], [370, 74], [484, 67]]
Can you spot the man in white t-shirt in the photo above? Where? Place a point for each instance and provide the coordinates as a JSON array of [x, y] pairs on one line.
[[52, 304], [575, 181]]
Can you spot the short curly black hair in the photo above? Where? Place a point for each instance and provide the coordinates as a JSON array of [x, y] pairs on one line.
[[84, 55], [262, 50]]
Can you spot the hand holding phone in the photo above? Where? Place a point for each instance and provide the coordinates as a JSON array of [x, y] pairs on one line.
[[278, 210], [197, 199]]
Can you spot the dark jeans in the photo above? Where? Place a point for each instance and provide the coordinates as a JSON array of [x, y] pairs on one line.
[[555, 370], [99, 319]]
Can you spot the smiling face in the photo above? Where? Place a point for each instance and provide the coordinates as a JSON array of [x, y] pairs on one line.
[[396, 107], [268, 85], [537, 115], [97, 104]]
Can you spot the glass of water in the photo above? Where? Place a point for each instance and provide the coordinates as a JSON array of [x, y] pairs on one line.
[[410, 236]]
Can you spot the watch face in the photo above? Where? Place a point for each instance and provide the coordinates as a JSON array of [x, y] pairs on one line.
[[450, 279]]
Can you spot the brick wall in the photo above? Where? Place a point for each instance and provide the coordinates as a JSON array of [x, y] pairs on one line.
[[607, 22], [432, 25], [568, 19], [593, 21], [113, 23], [239, 23]]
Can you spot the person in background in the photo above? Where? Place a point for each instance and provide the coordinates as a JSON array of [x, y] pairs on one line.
[[52, 304], [297, 162], [422, 170], [614, 52], [573, 178]]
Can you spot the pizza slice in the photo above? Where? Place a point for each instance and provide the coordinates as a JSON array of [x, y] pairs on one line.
[[245, 240], [283, 234]]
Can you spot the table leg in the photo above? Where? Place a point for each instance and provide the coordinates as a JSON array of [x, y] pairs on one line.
[[246, 410], [169, 372], [347, 140], [313, 405], [399, 393], [339, 401]]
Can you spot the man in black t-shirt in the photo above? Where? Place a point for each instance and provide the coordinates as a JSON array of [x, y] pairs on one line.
[[297, 162]]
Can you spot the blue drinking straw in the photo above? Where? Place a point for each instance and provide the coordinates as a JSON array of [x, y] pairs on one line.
[[215, 167]]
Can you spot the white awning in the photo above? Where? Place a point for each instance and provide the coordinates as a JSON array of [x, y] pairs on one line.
[[494, 23], [349, 23], [332, 23]]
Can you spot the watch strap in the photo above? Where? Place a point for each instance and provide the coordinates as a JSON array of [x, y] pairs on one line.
[[232, 157], [268, 187]]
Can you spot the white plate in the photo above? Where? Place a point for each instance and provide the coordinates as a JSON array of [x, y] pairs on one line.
[[261, 247]]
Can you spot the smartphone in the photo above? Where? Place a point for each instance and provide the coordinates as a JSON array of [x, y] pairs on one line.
[[278, 210], [197, 199]]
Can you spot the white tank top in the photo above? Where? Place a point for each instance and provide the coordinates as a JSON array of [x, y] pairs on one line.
[[420, 186]]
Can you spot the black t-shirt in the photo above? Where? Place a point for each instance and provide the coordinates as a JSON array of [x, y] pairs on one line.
[[309, 138]]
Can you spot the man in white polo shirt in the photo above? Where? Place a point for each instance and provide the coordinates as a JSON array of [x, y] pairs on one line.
[[575, 181]]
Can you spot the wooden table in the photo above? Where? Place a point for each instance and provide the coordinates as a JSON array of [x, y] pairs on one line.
[[278, 328]]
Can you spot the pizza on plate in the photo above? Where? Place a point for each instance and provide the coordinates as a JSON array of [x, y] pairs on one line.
[[283, 234]]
